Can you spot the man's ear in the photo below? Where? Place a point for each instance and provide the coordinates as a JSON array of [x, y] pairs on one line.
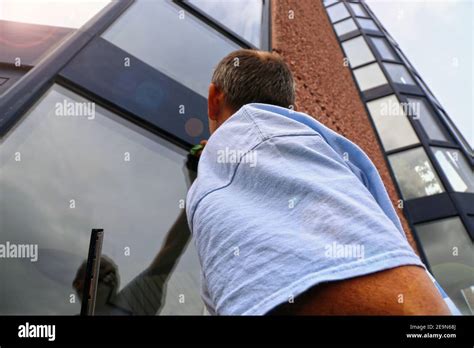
[[214, 102]]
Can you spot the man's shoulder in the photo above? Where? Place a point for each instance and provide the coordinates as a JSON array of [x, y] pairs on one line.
[[271, 121], [237, 141]]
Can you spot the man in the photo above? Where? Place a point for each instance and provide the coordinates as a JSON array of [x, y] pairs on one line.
[[289, 217]]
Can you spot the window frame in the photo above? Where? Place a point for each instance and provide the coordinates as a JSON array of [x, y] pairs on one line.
[[449, 203], [340, 19], [351, 9], [363, 66], [40, 78], [405, 117], [372, 57], [346, 34], [121, 118], [359, 21], [436, 119], [23, 94], [403, 68], [229, 33], [139, 113], [375, 49], [448, 185], [435, 171], [422, 247]]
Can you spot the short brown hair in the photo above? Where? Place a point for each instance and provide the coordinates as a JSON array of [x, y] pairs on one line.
[[251, 76]]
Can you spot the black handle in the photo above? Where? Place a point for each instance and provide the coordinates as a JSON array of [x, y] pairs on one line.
[[92, 272]]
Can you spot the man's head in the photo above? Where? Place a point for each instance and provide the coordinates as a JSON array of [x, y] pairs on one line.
[[107, 285], [248, 76]]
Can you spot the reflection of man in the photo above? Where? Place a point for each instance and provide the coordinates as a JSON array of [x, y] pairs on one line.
[[265, 233], [144, 295]]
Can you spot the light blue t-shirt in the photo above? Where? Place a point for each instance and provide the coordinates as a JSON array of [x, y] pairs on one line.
[[281, 203]]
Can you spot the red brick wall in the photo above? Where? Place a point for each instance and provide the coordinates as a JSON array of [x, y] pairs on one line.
[[325, 87]]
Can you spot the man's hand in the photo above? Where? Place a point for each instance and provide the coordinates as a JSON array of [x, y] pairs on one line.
[[192, 161], [198, 152], [405, 290]]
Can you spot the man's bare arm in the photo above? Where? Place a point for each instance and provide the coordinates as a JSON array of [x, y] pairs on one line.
[[405, 290]]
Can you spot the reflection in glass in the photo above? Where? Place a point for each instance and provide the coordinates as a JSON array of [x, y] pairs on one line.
[[357, 51], [345, 26], [367, 24], [31, 29], [392, 124], [370, 76], [337, 12], [71, 166], [415, 174], [456, 168], [383, 48], [399, 74], [468, 295], [424, 113], [145, 293], [358, 9], [450, 253], [244, 17], [66, 14], [329, 2], [187, 50]]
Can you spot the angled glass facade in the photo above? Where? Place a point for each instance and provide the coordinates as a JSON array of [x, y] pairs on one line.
[[101, 141], [65, 179], [429, 159]]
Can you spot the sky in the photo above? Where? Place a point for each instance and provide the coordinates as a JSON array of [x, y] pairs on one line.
[[51, 12], [437, 36]]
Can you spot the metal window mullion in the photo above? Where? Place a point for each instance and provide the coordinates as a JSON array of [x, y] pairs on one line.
[[21, 96]]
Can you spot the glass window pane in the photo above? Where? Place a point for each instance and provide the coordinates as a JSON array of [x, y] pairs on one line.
[[424, 113], [244, 17], [383, 48], [456, 168], [367, 24], [425, 88], [392, 124], [345, 27], [450, 252], [399, 74], [71, 166], [9, 75], [358, 10], [357, 51], [329, 2], [337, 12], [188, 55], [370, 76], [66, 14], [415, 174]]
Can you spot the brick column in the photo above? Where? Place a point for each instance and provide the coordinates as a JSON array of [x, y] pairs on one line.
[[303, 36]]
